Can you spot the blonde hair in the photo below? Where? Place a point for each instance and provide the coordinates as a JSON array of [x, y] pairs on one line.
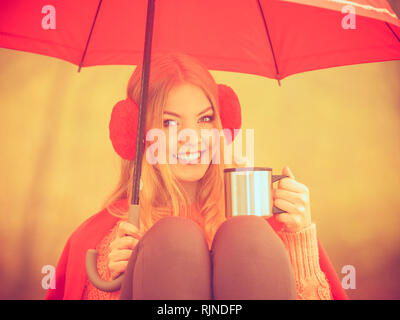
[[161, 190]]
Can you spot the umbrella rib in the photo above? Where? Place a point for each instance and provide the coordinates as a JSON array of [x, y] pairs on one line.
[[90, 35], [269, 40], [387, 24]]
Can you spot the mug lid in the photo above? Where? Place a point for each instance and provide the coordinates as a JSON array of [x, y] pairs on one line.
[[248, 169]]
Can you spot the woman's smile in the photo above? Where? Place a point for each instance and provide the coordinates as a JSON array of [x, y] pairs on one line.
[[190, 157]]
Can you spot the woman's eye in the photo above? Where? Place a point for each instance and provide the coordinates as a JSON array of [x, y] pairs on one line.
[[167, 123], [170, 122], [208, 118]]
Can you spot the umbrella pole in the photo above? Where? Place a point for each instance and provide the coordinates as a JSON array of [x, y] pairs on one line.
[[143, 106], [133, 214]]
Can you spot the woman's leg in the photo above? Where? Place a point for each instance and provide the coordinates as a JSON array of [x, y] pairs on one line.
[[250, 262], [170, 262]]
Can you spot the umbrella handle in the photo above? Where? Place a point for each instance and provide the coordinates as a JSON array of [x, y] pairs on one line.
[[91, 260]]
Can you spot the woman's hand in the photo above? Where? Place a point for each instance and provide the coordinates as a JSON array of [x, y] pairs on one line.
[[293, 197], [126, 240]]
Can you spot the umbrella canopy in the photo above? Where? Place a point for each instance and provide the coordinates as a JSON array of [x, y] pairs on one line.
[[271, 38]]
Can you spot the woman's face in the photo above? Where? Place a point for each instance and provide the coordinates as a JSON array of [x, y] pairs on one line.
[[186, 112]]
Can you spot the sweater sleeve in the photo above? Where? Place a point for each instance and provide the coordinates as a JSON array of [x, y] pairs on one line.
[[302, 247]]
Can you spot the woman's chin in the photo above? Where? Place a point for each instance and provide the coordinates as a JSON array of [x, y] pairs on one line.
[[190, 173]]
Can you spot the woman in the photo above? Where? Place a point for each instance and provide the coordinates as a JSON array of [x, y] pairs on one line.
[[185, 247]]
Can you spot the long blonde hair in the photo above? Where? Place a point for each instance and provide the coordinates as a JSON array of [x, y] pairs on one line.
[[161, 190]]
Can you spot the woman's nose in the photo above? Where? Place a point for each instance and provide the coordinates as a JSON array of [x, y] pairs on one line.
[[189, 132]]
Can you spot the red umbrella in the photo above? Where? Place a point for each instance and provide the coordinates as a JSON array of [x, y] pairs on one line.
[[272, 38]]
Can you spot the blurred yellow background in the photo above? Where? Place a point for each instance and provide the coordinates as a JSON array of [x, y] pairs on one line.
[[337, 129]]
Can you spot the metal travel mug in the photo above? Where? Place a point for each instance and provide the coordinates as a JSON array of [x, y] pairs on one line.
[[248, 191]]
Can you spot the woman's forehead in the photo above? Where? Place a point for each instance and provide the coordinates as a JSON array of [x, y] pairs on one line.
[[186, 100]]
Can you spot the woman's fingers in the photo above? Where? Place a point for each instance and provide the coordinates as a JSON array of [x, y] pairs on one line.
[[120, 255], [117, 267], [128, 236], [292, 185], [124, 243], [289, 207], [293, 197], [127, 229]]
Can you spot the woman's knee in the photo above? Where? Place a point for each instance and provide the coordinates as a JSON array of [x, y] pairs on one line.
[[247, 230], [176, 233], [172, 262], [250, 236], [250, 261]]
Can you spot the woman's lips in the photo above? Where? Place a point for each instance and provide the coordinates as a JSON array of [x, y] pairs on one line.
[[189, 157]]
